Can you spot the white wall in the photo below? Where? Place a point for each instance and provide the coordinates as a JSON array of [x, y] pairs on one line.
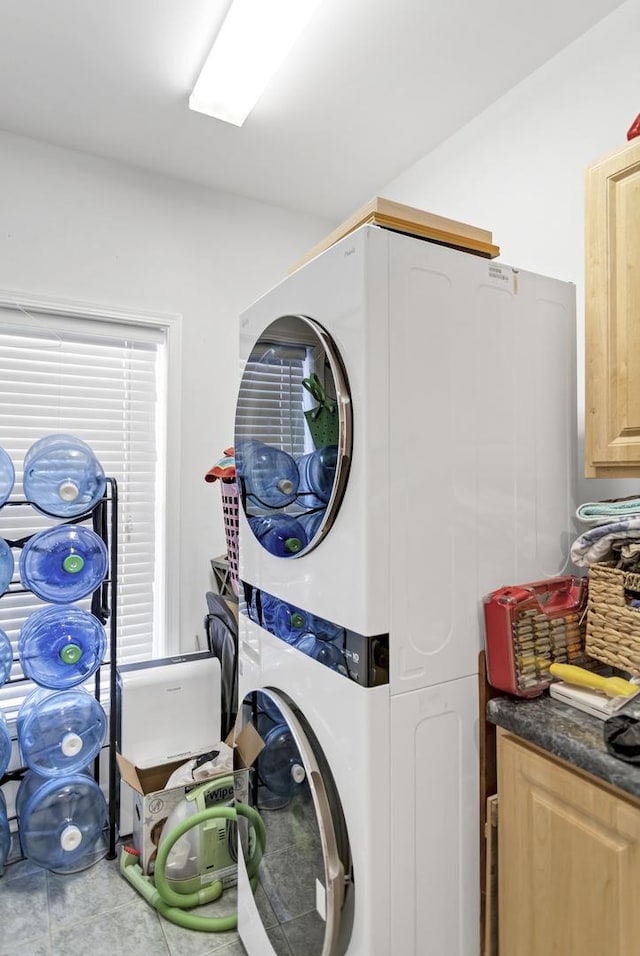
[[518, 168], [74, 227]]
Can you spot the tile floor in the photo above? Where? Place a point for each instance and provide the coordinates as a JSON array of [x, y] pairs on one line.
[[97, 912]]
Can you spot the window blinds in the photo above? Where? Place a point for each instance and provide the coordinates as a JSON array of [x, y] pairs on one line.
[[104, 382], [270, 400]]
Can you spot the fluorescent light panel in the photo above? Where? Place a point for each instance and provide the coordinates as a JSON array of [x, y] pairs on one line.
[[252, 43]]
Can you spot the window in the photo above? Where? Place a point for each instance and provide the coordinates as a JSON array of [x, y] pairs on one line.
[[103, 379]]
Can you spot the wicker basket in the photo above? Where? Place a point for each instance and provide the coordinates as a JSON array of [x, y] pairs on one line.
[[613, 628]]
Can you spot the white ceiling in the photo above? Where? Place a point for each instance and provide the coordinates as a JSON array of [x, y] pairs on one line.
[[371, 87]]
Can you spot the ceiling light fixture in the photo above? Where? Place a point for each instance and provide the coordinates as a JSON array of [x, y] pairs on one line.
[[252, 43]]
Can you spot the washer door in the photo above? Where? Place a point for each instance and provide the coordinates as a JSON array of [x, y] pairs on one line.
[[305, 872], [293, 436]]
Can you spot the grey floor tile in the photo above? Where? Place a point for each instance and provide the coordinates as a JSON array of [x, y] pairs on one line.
[[131, 929], [23, 907], [279, 942], [92, 892], [235, 949], [295, 824], [188, 942], [267, 917], [289, 880], [306, 935], [41, 946]]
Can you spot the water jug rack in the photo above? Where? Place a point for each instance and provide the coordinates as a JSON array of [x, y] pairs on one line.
[[104, 522]]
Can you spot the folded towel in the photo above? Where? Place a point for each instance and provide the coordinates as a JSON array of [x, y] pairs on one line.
[[596, 544], [602, 512]]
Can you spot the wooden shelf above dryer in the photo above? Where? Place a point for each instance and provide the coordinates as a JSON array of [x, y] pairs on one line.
[[413, 222]]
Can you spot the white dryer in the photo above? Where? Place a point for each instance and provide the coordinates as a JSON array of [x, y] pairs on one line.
[[440, 387], [453, 378]]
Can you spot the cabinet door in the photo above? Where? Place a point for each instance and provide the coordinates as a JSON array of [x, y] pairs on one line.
[[569, 860], [612, 330]]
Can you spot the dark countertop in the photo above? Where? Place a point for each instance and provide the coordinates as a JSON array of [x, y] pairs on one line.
[[566, 733]]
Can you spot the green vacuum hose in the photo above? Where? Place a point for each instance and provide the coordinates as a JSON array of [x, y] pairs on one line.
[[171, 904]]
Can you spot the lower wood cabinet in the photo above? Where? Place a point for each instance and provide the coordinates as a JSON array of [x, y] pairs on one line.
[[569, 859]]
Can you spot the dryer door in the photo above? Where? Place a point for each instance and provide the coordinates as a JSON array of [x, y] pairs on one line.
[[305, 871], [293, 436]]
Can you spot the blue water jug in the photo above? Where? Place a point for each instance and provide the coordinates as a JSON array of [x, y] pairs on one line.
[[312, 523], [291, 623], [6, 565], [327, 631], [60, 731], [5, 745], [62, 476], [5, 833], [267, 608], [281, 535], [324, 652], [64, 564], [317, 473], [62, 821], [61, 646], [7, 476], [265, 705], [279, 765], [269, 474], [6, 657]]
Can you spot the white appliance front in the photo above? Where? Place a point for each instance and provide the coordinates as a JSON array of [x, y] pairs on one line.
[[346, 577], [462, 476], [404, 777]]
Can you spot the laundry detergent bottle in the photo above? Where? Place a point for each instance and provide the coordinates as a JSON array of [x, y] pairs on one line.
[[7, 476], [62, 476], [62, 821], [280, 534], [270, 475], [60, 732], [64, 564]]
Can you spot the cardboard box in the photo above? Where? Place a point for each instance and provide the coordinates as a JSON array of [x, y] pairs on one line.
[[153, 802]]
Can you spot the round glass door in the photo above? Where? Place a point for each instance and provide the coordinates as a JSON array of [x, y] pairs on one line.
[[293, 436], [305, 872]]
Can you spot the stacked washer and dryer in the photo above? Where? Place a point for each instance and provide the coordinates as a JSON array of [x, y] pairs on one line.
[[443, 386]]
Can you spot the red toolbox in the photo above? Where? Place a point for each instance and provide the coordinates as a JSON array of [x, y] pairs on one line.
[[530, 626]]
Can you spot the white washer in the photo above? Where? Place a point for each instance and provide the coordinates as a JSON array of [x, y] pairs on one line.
[[397, 775], [454, 382]]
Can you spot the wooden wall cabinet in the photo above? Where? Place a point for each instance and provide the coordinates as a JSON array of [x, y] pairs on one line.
[[612, 315], [569, 859]]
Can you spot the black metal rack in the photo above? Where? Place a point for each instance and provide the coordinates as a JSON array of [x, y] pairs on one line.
[[104, 600]]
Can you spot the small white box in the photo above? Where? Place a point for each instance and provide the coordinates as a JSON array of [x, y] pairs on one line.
[[169, 711]]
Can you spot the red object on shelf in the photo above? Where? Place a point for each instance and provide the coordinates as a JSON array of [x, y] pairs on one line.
[[529, 626], [634, 129]]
